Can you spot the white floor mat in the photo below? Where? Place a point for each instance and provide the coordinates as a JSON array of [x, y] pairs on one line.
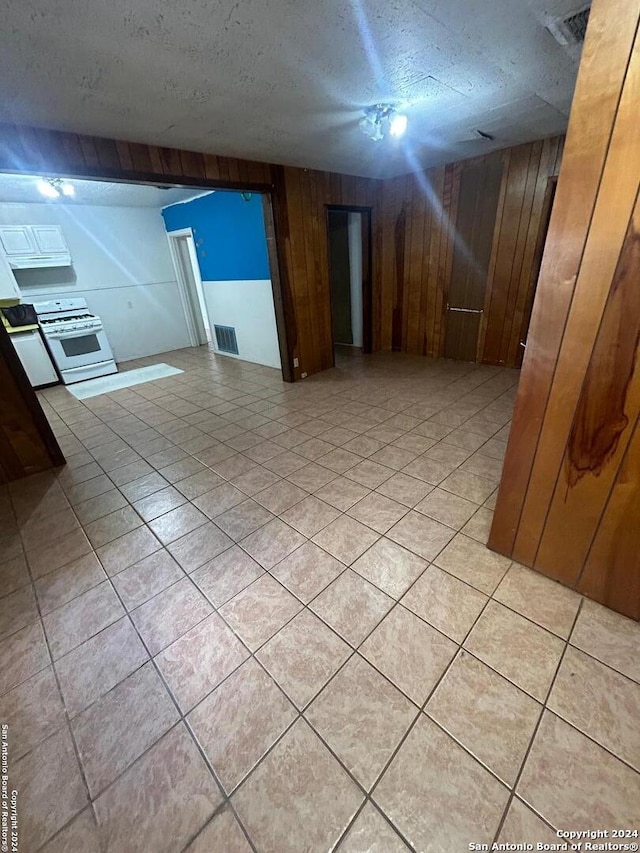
[[116, 381]]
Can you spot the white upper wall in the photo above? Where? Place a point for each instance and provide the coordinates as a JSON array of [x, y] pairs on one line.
[[120, 264]]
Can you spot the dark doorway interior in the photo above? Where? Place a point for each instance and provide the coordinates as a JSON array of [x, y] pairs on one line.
[[349, 236]]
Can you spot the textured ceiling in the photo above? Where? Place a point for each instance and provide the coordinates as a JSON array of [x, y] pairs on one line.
[[286, 80], [22, 189]]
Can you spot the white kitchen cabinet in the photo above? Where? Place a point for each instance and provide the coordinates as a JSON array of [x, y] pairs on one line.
[[18, 240], [34, 357], [33, 246], [8, 284], [49, 239]]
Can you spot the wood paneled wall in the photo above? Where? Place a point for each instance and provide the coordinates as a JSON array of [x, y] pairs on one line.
[[569, 502], [27, 443], [420, 212], [299, 199]]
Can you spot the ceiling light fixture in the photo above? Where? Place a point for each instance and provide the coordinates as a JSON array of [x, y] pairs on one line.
[[55, 187], [382, 119]]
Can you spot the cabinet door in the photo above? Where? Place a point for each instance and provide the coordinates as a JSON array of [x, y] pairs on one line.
[[49, 239], [17, 240], [8, 284]]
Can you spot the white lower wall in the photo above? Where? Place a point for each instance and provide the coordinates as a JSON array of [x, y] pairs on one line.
[[248, 307]]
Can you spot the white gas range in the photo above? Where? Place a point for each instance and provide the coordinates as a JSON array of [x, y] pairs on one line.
[[76, 339]]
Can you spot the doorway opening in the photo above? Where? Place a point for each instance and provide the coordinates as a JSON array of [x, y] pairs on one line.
[[183, 251], [349, 239]]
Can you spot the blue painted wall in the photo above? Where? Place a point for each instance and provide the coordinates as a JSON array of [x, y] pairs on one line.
[[229, 235]]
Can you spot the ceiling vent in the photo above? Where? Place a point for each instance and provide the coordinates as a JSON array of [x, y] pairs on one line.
[[572, 28]]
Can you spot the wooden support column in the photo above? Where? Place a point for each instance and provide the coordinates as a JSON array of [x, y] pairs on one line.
[[569, 501]]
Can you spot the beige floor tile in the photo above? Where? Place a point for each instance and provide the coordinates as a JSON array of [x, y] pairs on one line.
[[79, 836], [51, 556], [420, 534], [448, 508], [312, 477], [242, 519], [226, 575], [120, 726], [522, 826], [90, 489], [600, 702], [345, 539], [362, 717], [432, 471], [170, 614], [463, 438], [127, 550], [493, 719], [285, 463], [342, 493], [479, 525], [239, 721], [473, 563], [141, 488], [405, 489], [96, 507], [339, 459], [81, 618], [199, 546], [298, 798], [96, 666], [255, 480], [198, 484], [219, 500], [523, 652], [280, 496], [17, 610], [412, 654], [538, 598], [378, 512], [182, 469], [574, 783], [302, 657], [176, 523], [59, 587], [261, 609], [390, 567], [310, 515], [272, 543], [609, 637], [112, 526], [40, 530], [44, 804], [364, 445], [445, 602], [468, 485], [370, 474], [33, 710], [352, 606], [431, 777], [370, 833], [307, 571], [161, 801], [223, 833], [14, 571], [147, 578], [199, 660]]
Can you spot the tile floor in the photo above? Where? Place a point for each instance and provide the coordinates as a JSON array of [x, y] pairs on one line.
[[255, 616]]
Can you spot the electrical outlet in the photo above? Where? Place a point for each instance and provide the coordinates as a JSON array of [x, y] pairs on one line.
[[296, 362]]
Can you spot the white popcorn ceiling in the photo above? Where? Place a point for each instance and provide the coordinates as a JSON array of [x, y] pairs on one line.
[[286, 81]]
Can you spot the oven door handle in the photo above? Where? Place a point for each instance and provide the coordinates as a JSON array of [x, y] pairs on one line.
[[76, 333]]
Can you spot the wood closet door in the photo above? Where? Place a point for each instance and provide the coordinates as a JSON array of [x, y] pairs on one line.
[[475, 222]]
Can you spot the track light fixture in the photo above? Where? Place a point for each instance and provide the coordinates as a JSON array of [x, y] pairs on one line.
[[382, 119], [55, 187]]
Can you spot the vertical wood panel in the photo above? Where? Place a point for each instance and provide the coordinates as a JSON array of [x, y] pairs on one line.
[[603, 66], [570, 493]]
